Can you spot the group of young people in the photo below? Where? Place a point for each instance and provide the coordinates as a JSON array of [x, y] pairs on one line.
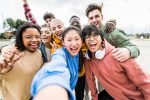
[[52, 61]]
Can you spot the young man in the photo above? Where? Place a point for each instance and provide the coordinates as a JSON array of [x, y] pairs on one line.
[[75, 21], [125, 49]]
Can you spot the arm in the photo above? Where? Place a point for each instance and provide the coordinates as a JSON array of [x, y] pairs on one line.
[[55, 73], [125, 48], [138, 77], [53, 91], [91, 81], [29, 16]]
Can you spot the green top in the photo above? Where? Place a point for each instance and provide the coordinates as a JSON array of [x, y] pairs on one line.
[[118, 38]]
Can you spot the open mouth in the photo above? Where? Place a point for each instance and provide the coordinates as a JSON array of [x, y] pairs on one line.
[[59, 34], [44, 38], [74, 50], [34, 46], [93, 45]]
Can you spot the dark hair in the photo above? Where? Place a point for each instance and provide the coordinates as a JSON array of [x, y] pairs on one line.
[[71, 28], [74, 16], [92, 7], [48, 15], [92, 29], [19, 42]]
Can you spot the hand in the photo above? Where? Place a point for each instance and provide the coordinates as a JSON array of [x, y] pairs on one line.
[[6, 66], [8, 51], [121, 54], [110, 27], [53, 45]]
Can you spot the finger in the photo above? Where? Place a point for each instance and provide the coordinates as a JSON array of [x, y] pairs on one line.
[[17, 57], [52, 45], [8, 56], [120, 59], [115, 52]]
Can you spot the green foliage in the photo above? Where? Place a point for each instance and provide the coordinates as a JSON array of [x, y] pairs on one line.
[[11, 24]]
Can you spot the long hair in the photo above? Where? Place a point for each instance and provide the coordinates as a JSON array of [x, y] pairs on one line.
[[19, 41]]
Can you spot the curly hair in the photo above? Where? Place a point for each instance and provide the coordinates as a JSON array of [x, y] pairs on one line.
[[48, 15]]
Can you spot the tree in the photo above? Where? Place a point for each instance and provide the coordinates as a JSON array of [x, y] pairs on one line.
[[18, 23], [11, 24]]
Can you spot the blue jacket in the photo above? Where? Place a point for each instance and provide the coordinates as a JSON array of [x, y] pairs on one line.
[[62, 70]]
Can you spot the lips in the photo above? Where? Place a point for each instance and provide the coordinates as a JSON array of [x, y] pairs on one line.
[[34, 46], [59, 34]]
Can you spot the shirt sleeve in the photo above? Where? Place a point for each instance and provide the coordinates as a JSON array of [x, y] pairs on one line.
[[91, 81], [55, 72], [122, 40], [138, 77]]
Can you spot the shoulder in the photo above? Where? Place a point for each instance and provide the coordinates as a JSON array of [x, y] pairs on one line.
[[59, 53]]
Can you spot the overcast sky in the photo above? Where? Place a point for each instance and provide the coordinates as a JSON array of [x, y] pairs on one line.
[[131, 15]]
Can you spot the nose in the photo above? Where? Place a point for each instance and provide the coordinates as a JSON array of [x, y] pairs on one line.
[[91, 37], [74, 42]]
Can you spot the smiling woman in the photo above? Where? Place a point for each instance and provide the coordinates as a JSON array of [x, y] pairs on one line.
[[18, 66], [63, 68]]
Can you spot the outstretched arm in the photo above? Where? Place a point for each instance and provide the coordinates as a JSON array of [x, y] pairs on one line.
[[29, 16], [54, 92]]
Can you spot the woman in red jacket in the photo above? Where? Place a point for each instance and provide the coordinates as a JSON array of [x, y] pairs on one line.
[[122, 80]]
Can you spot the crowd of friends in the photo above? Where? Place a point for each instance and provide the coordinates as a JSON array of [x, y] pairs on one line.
[[55, 62]]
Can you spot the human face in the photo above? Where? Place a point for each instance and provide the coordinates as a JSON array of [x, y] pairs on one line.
[[72, 42], [31, 39], [57, 28], [75, 21], [95, 17], [48, 21], [93, 42], [45, 35]]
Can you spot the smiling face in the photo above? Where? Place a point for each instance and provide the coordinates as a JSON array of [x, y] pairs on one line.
[[93, 38], [57, 27], [72, 42], [95, 17], [93, 42], [45, 35], [31, 39]]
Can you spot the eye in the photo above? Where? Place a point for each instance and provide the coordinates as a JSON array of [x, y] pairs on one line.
[[91, 18], [69, 40], [96, 16], [59, 26], [53, 28], [77, 39], [37, 36], [86, 37], [47, 32]]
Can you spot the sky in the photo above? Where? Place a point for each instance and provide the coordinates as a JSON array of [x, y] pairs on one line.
[[133, 16]]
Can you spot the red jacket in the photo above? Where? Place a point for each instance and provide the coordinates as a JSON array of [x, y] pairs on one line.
[[122, 80]]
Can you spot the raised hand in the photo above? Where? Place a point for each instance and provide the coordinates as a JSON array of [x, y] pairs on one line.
[[53, 45], [110, 26], [8, 59]]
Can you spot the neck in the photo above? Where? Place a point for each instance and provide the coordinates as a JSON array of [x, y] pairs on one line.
[[48, 45]]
